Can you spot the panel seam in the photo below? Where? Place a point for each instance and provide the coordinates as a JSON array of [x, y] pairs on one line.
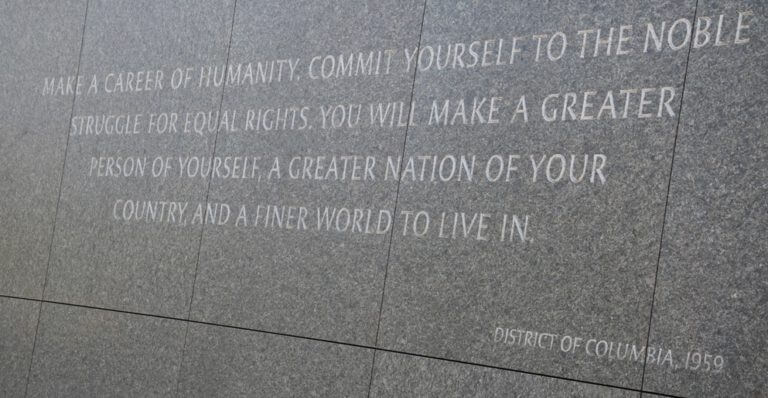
[[666, 201], [205, 203], [58, 202], [397, 196]]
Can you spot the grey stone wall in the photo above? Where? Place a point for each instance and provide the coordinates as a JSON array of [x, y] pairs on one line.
[[383, 198]]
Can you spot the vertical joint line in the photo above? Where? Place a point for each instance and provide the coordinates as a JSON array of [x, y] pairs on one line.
[[58, 201], [397, 196], [210, 177], [397, 191], [666, 201], [373, 367], [207, 193]]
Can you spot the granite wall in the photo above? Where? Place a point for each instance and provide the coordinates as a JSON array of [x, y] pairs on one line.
[[383, 198]]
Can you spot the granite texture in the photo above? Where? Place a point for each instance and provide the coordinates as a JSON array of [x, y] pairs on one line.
[[308, 282], [38, 40], [398, 375], [712, 289], [137, 265], [586, 267], [84, 352], [18, 319], [663, 246], [225, 362]]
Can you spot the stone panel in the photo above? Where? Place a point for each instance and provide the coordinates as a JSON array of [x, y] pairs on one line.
[[227, 362], [122, 240], [39, 47], [710, 318], [541, 156], [84, 352], [398, 375], [18, 319], [284, 274]]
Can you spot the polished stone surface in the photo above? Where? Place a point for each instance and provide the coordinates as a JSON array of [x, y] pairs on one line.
[[307, 282], [631, 169], [586, 266], [226, 362], [398, 375], [41, 41], [711, 294], [84, 352], [18, 319], [137, 265]]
